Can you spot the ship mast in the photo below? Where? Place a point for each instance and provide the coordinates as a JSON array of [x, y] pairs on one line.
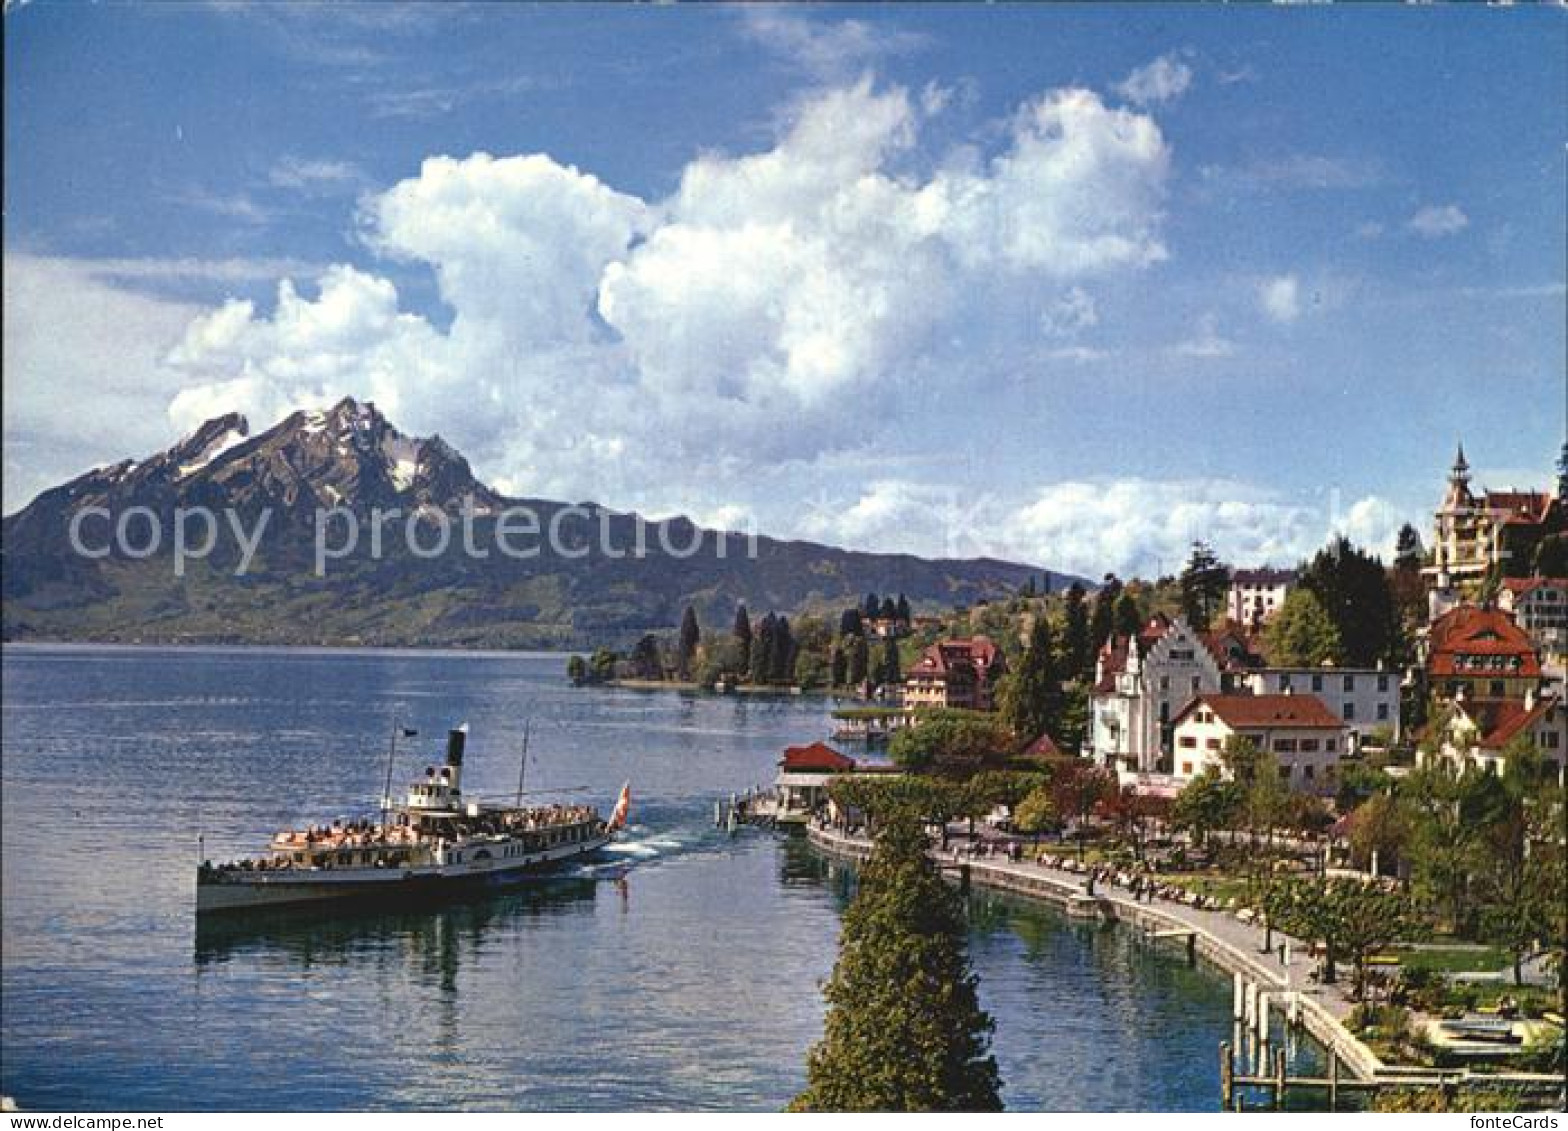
[[386, 792], [522, 769]]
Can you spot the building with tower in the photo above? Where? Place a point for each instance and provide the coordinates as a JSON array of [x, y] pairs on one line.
[[1487, 534]]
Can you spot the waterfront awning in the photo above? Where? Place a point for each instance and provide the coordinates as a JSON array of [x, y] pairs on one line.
[[792, 779]]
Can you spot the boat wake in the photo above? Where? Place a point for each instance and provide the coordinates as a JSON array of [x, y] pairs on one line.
[[643, 845]]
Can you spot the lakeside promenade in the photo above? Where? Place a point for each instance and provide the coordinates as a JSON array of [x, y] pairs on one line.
[[1284, 974], [1277, 981]]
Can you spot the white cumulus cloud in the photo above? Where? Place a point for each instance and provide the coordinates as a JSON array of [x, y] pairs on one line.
[[1280, 298], [1146, 527], [1207, 343], [1162, 80], [1433, 221], [1131, 525], [84, 385], [599, 340]]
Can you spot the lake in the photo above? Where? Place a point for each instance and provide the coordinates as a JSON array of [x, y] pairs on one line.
[[681, 971]]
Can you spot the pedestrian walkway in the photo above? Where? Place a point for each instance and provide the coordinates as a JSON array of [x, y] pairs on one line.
[[1232, 944]]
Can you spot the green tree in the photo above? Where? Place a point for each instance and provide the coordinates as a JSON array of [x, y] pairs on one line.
[[721, 658], [1408, 552], [1521, 852], [1551, 556], [1353, 589], [811, 669], [1242, 760], [742, 634], [1381, 825], [902, 611], [1206, 803], [1302, 634], [601, 666], [964, 738], [764, 649], [1353, 919], [1129, 618], [1077, 787], [691, 636], [1031, 698], [645, 659], [1073, 727], [904, 1029], [1077, 651], [1036, 813], [577, 670], [889, 674], [1359, 781], [1103, 622], [1443, 806], [1266, 804], [1204, 582], [1361, 919], [783, 652], [1006, 788], [850, 623], [838, 665], [859, 660]]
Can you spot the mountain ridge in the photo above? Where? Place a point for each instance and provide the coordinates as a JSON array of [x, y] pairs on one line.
[[352, 464]]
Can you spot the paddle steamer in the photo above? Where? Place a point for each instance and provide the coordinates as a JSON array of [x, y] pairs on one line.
[[435, 843]]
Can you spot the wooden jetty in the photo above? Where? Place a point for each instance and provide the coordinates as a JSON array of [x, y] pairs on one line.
[[1275, 1086]]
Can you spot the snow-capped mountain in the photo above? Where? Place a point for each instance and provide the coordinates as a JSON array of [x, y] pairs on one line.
[[351, 458]]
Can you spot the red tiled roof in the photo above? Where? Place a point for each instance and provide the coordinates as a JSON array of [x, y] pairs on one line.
[[1251, 712], [1043, 747], [1499, 720], [1153, 628], [1113, 654], [1232, 648], [978, 652], [1472, 631], [1520, 506], [818, 758], [1522, 585]]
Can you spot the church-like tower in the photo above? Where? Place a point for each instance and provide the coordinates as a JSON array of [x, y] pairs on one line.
[[1461, 545]]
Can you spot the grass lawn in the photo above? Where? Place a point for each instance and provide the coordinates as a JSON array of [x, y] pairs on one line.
[[1448, 961], [1220, 886]]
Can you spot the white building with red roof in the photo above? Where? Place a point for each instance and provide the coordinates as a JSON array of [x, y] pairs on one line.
[[956, 673], [1539, 605], [1473, 532], [1481, 653], [1479, 732], [1303, 735], [1141, 685], [801, 786], [1364, 699]]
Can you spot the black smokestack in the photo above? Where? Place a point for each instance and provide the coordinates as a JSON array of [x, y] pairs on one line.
[[455, 739]]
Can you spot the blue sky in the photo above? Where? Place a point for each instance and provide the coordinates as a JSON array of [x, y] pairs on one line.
[[1067, 284]]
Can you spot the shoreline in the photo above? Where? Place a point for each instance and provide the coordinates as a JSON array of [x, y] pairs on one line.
[[1285, 986], [788, 691]]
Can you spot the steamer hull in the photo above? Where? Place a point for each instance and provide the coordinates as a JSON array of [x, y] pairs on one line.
[[238, 892]]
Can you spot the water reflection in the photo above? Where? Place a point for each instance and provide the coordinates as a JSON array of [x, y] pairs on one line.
[[314, 936]]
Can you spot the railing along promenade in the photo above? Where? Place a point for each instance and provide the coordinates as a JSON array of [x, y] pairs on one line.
[[1279, 979]]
